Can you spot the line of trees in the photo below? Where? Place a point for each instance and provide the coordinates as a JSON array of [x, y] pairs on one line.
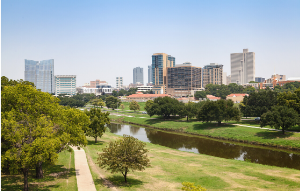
[[205, 111]]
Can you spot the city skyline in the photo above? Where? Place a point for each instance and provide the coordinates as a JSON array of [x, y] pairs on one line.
[[84, 38]]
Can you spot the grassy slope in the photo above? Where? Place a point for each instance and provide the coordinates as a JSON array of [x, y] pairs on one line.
[[171, 167], [65, 182], [226, 131]]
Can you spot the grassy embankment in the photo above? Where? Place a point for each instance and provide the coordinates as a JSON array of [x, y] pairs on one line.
[[169, 168], [227, 131], [59, 177]]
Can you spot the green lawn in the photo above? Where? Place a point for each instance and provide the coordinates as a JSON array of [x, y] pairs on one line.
[[59, 177], [226, 131], [169, 168]]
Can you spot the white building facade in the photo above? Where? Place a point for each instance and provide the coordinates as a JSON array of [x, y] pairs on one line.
[[65, 84], [119, 82], [242, 67]]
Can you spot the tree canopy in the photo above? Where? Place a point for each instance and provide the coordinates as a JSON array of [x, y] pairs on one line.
[[220, 110], [98, 121], [112, 102], [124, 155], [134, 106], [35, 128], [280, 116]]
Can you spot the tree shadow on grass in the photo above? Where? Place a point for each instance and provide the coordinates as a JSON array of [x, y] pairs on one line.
[[274, 134], [119, 181], [92, 142], [208, 126]]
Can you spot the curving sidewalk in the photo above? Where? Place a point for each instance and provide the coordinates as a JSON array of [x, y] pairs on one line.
[[83, 175]]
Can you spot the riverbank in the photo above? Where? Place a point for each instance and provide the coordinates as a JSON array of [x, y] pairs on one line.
[[169, 168], [231, 132], [58, 177]]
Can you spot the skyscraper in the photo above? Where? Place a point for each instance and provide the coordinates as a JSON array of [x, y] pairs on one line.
[[149, 74], [212, 74], [41, 74], [160, 62], [242, 67], [138, 75], [183, 78]]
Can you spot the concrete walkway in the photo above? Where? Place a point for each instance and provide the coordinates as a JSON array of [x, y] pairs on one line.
[[83, 174]]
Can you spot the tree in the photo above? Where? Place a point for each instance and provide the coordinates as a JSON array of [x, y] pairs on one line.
[[148, 104], [280, 116], [97, 102], [98, 121], [188, 110], [164, 106], [34, 129], [219, 111], [134, 106], [123, 155], [188, 186], [122, 106], [112, 102], [200, 94], [291, 100]]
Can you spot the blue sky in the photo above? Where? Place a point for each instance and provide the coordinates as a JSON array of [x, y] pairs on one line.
[[105, 39]]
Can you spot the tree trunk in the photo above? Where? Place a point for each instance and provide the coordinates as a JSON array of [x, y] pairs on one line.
[[125, 176], [187, 118], [219, 123], [96, 139], [25, 173], [39, 170], [282, 130]]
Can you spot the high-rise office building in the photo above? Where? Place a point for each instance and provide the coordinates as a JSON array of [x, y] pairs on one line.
[[259, 79], [65, 84], [149, 74], [160, 61], [138, 75], [242, 67], [212, 74], [182, 79], [41, 74], [119, 82]]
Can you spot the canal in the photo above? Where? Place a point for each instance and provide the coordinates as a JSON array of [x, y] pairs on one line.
[[217, 148]]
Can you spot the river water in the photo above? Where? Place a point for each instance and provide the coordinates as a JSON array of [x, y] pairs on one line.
[[196, 144]]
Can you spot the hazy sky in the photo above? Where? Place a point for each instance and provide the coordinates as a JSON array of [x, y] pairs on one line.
[[105, 39]]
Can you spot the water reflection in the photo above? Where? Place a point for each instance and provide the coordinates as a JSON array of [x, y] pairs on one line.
[[210, 147]]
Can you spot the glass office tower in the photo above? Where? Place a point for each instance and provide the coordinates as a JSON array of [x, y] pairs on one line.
[[160, 62], [138, 75], [41, 74]]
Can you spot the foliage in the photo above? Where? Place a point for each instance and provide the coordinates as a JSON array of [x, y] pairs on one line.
[[98, 102], [112, 102], [123, 155], [291, 100], [200, 94], [148, 105], [217, 90], [9, 82], [69, 101], [134, 106], [188, 186], [34, 128], [188, 110], [220, 110], [258, 103], [98, 120], [280, 116], [123, 92], [122, 106], [164, 106], [148, 92]]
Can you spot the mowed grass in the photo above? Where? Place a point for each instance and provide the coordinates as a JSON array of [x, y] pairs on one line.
[[58, 177], [225, 131], [169, 168]]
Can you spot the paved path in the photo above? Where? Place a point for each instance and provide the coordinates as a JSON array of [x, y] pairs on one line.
[[83, 175]]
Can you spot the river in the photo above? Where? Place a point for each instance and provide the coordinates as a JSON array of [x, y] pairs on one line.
[[207, 146]]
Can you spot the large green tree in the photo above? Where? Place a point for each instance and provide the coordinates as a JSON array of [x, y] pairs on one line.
[[35, 128], [124, 155], [280, 117], [98, 120], [291, 100], [188, 110], [220, 110], [200, 94], [164, 106], [98, 102], [112, 102]]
